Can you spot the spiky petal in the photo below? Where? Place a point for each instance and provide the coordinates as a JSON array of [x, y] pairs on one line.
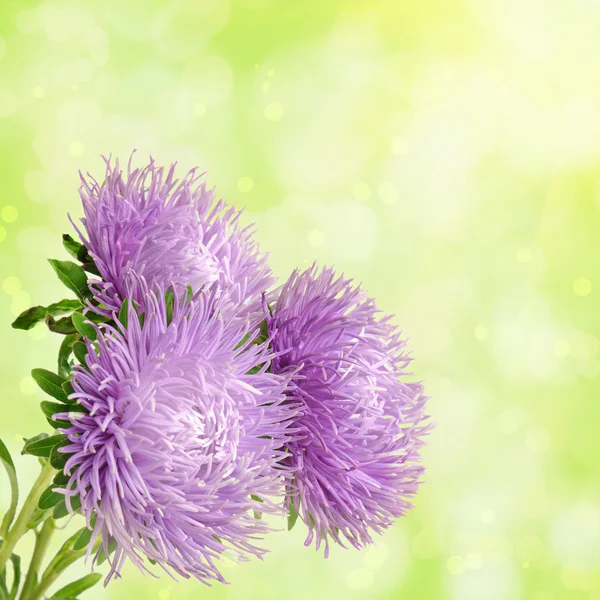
[[169, 232], [180, 440], [355, 459]]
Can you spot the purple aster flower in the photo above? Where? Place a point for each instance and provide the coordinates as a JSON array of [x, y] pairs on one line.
[[355, 459], [181, 442], [169, 232]]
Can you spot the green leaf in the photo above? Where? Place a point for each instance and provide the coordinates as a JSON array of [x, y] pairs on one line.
[[83, 326], [80, 352], [68, 390], [64, 353], [189, 295], [49, 498], [60, 479], [59, 459], [112, 545], [90, 267], [60, 510], [85, 536], [9, 465], [292, 516], [43, 447], [30, 317], [71, 245], [51, 383], [52, 408], [124, 312], [63, 326], [73, 276], [77, 587]]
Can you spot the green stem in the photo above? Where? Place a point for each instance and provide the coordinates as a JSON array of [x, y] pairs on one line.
[[19, 529], [63, 559], [39, 551]]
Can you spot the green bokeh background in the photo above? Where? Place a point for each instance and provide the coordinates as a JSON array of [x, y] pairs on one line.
[[446, 153]]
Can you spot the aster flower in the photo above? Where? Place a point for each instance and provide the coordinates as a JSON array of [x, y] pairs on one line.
[[170, 232], [355, 458], [181, 443]]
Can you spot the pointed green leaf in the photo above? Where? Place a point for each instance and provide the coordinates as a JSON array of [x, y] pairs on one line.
[[71, 245], [90, 267], [83, 326], [60, 510], [85, 536], [63, 326], [43, 447], [30, 317], [60, 479], [77, 587], [49, 498], [52, 408], [64, 354], [51, 383], [73, 276], [292, 516], [9, 465], [68, 390], [80, 352]]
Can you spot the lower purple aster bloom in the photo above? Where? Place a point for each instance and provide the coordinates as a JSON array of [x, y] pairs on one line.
[[181, 443], [360, 427], [170, 232]]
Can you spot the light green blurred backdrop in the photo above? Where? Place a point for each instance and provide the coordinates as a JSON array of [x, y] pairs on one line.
[[446, 153]]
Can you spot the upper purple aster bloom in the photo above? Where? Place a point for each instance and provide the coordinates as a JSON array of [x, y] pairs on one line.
[[181, 443], [170, 232], [354, 460]]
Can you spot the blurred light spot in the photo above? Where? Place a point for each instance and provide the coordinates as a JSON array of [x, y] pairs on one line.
[[575, 537], [575, 578], [510, 420], [9, 103], [316, 238], [27, 21], [526, 565], [164, 594], [487, 516], [2, 233], [524, 255], [399, 146], [9, 214], [388, 193], [361, 191], [274, 111], [424, 546], [38, 91], [2, 47], [562, 348], [360, 579], [266, 87], [455, 565], [538, 440], [11, 285], [20, 301], [375, 555], [582, 286], [480, 333], [199, 109], [27, 386], [473, 561], [76, 148], [39, 332], [271, 73], [530, 548], [245, 184]]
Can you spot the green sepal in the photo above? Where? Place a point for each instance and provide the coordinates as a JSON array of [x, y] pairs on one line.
[[66, 348], [292, 516], [85, 536], [60, 479], [112, 546], [124, 313], [51, 383], [30, 317], [43, 446], [77, 587], [61, 511], [9, 465], [80, 352], [49, 498], [73, 276], [59, 459], [170, 305], [83, 326]]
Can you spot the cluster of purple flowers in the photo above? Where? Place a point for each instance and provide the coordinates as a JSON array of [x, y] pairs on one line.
[[209, 397]]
